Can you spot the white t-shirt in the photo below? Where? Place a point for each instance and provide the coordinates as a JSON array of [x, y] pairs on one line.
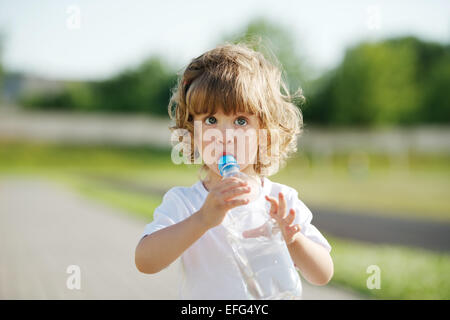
[[209, 270]]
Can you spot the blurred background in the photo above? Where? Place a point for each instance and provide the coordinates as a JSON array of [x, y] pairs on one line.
[[85, 145]]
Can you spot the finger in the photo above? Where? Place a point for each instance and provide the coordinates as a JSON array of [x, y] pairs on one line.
[[290, 217], [232, 180], [274, 205], [230, 183], [230, 193], [291, 231], [281, 205], [235, 203]]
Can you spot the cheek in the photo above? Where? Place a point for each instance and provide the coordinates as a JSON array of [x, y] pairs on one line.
[[208, 146], [252, 141], [253, 148], [200, 138]]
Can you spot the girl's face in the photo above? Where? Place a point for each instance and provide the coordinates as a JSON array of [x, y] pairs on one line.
[[234, 134]]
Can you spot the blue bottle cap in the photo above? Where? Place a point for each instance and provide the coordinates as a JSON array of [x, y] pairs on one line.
[[224, 161]]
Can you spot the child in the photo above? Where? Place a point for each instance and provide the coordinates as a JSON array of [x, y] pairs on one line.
[[233, 89]]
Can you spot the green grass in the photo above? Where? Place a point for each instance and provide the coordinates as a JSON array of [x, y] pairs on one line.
[[412, 194], [417, 187], [405, 273]]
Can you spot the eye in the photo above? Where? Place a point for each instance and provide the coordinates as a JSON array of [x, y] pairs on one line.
[[241, 121], [210, 120]]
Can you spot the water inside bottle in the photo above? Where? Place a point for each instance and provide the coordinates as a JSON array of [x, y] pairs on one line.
[[266, 267], [263, 258]]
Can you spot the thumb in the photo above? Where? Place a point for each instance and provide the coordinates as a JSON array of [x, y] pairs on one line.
[[273, 205]]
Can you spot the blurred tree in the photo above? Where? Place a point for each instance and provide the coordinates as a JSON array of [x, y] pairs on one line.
[[141, 89], [376, 84], [435, 83], [396, 81], [319, 107], [1, 65], [47, 101], [81, 96]]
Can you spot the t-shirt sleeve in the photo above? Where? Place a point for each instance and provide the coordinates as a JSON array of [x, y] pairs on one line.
[[303, 217], [171, 210]]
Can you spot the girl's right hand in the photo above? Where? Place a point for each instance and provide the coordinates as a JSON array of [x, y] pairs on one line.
[[220, 200]]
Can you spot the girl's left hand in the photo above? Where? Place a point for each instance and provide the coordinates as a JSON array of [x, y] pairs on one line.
[[278, 212]]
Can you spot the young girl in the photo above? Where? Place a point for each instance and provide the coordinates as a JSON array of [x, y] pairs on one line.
[[230, 91]]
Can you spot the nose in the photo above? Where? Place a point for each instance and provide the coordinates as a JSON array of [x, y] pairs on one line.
[[227, 135]]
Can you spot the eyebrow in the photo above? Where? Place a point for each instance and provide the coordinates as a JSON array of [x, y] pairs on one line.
[[241, 113], [237, 114]]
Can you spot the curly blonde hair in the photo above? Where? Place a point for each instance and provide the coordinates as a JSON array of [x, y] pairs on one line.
[[236, 78]]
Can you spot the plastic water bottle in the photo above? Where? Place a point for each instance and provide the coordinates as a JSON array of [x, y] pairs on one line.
[[259, 249]]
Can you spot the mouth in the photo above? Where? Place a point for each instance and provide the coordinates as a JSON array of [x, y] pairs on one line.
[[227, 153], [221, 154]]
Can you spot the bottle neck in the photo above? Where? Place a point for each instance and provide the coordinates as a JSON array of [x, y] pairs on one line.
[[230, 170]]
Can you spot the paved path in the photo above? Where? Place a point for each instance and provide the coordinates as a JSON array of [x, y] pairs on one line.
[[382, 229], [45, 227]]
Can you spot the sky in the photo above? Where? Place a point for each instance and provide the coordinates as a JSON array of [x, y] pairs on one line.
[[88, 39]]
